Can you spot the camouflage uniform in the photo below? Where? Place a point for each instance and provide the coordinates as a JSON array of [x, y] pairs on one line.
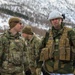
[[32, 52], [32, 43], [58, 55], [60, 65], [11, 56]]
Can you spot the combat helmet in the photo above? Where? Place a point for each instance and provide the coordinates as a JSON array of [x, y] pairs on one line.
[[55, 14]]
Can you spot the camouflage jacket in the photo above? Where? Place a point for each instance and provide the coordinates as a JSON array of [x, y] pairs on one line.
[[54, 64], [11, 52], [32, 50]]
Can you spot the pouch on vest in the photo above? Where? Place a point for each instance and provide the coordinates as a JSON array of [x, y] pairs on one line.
[[44, 54], [50, 46], [64, 50]]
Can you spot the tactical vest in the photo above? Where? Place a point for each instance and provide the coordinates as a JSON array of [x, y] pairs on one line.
[[13, 54], [54, 63], [64, 46]]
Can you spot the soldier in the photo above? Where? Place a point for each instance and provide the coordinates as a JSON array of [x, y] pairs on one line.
[[11, 49], [32, 42], [58, 55]]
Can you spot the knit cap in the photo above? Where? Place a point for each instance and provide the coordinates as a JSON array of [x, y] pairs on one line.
[[27, 30], [13, 21]]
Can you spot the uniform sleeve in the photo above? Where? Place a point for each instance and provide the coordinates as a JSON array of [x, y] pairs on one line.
[[1, 49], [72, 43], [37, 45], [24, 51], [72, 38]]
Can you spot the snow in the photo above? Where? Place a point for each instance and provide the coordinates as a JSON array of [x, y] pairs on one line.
[[42, 8]]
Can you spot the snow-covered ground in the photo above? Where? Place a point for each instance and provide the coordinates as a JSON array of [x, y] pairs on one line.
[[39, 8]]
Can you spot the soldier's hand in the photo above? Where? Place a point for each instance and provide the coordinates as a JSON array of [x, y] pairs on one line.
[[38, 71], [74, 72]]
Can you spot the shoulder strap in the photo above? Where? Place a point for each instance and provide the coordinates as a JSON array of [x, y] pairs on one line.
[[46, 38]]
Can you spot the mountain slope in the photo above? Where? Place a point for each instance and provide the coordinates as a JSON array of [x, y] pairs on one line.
[[37, 11]]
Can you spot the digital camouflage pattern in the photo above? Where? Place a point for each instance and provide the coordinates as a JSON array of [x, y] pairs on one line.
[[32, 52], [11, 54], [52, 58]]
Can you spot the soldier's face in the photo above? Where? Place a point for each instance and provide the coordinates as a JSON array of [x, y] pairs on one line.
[[18, 27], [56, 22], [25, 35]]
